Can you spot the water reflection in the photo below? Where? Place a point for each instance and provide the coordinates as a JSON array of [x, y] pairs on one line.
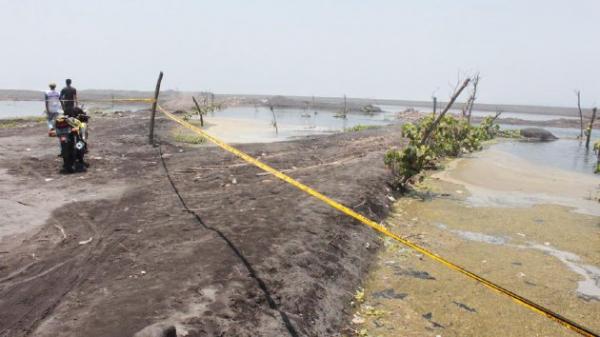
[[566, 153], [320, 119]]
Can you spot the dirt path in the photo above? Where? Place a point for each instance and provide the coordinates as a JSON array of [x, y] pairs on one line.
[[251, 255]]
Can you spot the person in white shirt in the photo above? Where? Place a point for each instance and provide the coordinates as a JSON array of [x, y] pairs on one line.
[[52, 99]]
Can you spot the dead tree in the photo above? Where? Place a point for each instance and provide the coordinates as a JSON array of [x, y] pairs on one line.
[[435, 123], [578, 93], [498, 113], [468, 108], [588, 132], [199, 111], [274, 119]]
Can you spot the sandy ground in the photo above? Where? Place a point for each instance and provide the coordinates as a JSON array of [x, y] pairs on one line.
[[542, 250], [113, 250], [497, 178]]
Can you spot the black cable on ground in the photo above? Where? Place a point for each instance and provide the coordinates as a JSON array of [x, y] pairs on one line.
[[261, 284]]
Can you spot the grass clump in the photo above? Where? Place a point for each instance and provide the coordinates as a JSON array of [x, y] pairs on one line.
[[359, 296], [187, 138], [8, 124], [360, 127], [16, 122]]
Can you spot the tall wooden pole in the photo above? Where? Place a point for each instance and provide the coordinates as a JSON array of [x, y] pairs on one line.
[[156, 92], [578, 93], [274, 120], [434, 105], [199, 111], [589, 130]]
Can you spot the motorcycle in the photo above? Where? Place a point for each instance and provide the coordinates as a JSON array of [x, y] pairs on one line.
[[72, 134]]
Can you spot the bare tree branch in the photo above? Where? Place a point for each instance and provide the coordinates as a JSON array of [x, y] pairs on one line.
[[498, 113], [435, 123], [468, 108]]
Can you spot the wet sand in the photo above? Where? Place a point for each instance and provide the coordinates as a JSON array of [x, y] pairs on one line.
[[542, 249]]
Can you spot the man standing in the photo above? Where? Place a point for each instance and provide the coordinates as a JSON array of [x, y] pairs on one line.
[[68, 99], [52, 99]]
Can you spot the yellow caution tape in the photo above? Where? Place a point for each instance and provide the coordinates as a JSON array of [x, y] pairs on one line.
[[381, 229]]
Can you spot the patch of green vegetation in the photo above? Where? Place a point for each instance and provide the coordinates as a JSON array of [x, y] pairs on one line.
[[509, 134], [360, 127], [187, 138], [8, 124], [38, 119], [359, 296], [15, 122], [428, 143]]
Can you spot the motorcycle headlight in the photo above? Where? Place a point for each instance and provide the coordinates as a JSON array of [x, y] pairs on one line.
[[79, 145]]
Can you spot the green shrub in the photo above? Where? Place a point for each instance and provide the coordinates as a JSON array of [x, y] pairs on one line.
[[450, 138]]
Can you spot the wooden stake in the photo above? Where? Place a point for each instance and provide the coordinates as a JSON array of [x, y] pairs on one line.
[[156, 92], [589, 130], [199, 111], [274, 120], [578, 93]]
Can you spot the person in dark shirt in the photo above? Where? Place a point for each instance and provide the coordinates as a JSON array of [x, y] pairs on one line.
[[68, 99]]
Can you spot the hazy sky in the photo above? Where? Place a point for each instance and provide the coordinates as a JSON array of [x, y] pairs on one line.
[[527, 51]]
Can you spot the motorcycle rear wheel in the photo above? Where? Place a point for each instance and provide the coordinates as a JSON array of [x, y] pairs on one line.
[[68, 155]]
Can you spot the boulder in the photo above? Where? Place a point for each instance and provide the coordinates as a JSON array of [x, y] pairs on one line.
[[537, 134], [157, 330], [370, 108]]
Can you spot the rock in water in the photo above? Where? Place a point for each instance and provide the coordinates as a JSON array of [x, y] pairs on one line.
[[537, 134], [370, 108], [157, 330]]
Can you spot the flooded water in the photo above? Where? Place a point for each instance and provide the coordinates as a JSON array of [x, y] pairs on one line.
[[14, 109], [524, 116], [306, 118], [566, 153], [250, 124], [477, 113], [20, 109]]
